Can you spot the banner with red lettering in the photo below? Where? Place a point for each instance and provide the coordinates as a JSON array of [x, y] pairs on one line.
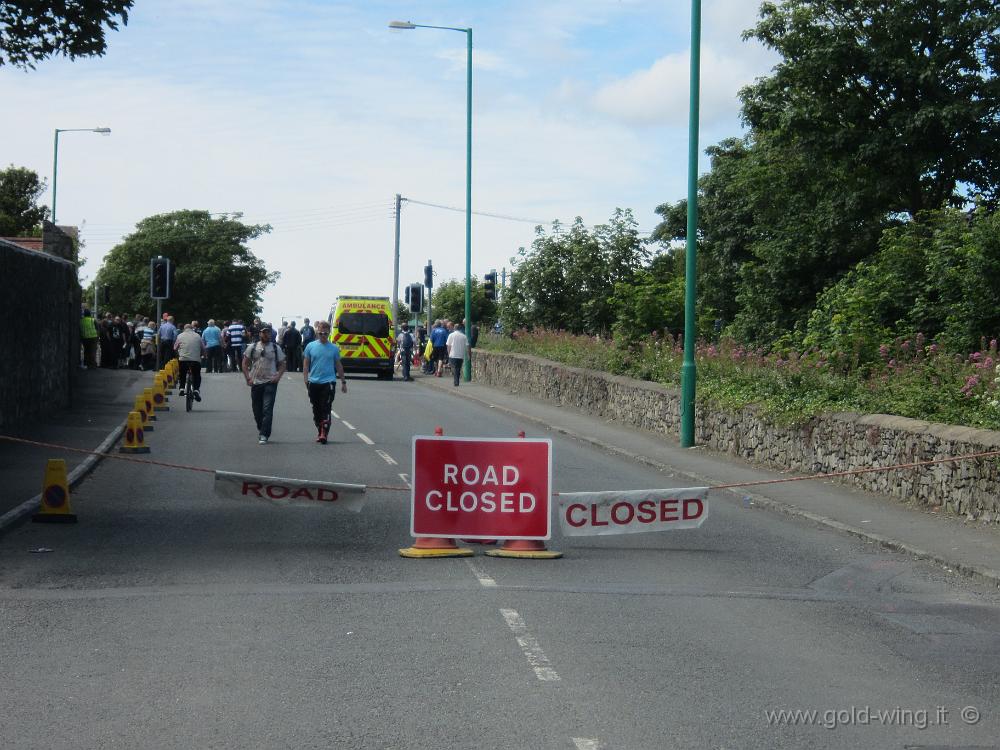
[[632, 512], [281, 491]]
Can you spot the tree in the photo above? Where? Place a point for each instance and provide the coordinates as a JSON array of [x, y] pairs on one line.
[[216, 275], [32, 30], [902, 97], [449, 302], [20, 213]]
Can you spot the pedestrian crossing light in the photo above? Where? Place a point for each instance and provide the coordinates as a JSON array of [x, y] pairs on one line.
[[429, 276], [415, 297], [159, 278], [490, 285]]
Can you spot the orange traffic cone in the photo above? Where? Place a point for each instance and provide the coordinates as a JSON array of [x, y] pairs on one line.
[[530, 549], [55, 495], [134, 438], [429, 546]]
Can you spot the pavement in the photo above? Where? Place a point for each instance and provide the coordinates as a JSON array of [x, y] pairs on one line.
[[103, 399]]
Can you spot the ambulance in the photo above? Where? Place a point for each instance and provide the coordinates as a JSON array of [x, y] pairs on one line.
[[363, 329]]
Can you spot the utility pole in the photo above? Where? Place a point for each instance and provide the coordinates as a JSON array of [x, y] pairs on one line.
[[395, 265]]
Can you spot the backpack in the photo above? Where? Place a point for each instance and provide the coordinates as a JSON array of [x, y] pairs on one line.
[[407, 340]]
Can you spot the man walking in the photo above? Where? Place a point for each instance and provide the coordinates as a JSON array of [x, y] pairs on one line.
[[212, 337], [263, 366], [320, 369], [291, 342], [236, 334], [88, 335], [308, 333], [439, 340], [168, 335], [404, 342], [458, 346]]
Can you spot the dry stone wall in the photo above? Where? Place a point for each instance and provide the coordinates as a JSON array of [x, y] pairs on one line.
[[826, 444]]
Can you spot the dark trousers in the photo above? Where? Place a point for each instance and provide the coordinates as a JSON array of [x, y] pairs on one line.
[[190, 367], [213, 359], [262, 398], [293, 356], [166, 351], [456, 368], [321, 397], [407, 358], [236, 357]]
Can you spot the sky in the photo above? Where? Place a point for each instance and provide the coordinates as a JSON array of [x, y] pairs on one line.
[[311, 115]]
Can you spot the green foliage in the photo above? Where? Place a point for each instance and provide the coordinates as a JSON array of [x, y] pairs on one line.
[[901, 97], [32, 30], [567, 280], [449, 302], [938, 275], [216, 274], [20, 214]]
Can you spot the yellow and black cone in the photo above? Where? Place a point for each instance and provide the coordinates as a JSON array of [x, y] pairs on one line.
[[428, 546], [135, 441], [147, 395], [526, 549], [159, 395], [140, 406], [55, 495]]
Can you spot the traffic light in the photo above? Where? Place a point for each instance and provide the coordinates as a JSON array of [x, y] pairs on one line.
[[159, 278], [490, 285], [429, 276], [415, 297]]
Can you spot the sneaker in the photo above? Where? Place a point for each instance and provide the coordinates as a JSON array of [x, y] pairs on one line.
[[197, 396], [262, 440]]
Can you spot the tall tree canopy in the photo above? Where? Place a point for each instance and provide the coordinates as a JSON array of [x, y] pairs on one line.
[[32, 30], [20, 213], [216, 274], [902, 97]]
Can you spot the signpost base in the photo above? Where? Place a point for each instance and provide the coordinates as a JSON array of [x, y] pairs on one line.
[[426, 546], [525, 549]]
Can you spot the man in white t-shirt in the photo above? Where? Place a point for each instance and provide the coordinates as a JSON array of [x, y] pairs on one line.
[[458, 347], [263, 366]]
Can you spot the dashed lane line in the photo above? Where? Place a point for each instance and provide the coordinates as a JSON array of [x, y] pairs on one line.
[[529, 647], [406, 480], [335, 415], [484, 580], [387, 458], [365, 438], [348, 425], [586, 744]]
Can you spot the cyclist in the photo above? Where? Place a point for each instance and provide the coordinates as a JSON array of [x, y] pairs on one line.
[[190, 349]]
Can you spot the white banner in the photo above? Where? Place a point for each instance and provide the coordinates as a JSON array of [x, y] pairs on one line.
[[632, 512], [281, 491]]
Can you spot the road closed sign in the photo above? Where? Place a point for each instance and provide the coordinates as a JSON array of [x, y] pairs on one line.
[[481, 488], [632, 512]]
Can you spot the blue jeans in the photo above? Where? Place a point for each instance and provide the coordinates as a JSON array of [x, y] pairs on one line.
[[262, 397]]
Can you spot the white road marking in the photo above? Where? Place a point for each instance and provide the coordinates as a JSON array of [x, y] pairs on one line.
[[585, 744], [335, 415], [529, 647], [406, 480], [365, 438], [387, 458], [484, 579], [348, 425]]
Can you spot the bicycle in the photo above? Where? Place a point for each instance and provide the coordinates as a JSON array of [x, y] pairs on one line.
[[188, 394]]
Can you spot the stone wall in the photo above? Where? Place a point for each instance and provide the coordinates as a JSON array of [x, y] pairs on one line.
[[40, 315], [826, 444]]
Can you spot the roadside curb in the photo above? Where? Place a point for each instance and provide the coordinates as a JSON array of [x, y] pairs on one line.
[[975, 572], [12, 518]]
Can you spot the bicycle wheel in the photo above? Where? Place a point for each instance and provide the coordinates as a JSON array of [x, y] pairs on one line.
[[189, 396]]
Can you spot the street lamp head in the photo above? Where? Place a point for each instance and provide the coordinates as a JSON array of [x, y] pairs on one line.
[[103, 131], [401, 25]]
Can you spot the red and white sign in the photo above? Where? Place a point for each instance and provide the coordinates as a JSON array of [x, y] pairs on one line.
[[282, 491], [481, 488], [606, 513]]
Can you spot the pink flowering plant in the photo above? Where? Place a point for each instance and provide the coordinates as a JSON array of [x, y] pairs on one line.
[[911, 378]]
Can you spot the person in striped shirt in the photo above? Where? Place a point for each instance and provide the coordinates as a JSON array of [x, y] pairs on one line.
[[237, 337]]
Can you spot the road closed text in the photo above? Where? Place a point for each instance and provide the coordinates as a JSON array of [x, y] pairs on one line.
[[606, 513], [481, 488]]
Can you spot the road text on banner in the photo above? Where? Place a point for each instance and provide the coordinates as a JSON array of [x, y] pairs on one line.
[[633, 512], [281, 491], [481, 488]]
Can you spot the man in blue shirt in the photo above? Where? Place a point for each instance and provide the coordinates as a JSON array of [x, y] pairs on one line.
[[439, 340], [212, 337], [168, 335], [321, 367]]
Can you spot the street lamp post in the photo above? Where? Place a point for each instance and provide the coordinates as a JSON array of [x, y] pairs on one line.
[[55, 157], [404, 25], [688, 370]]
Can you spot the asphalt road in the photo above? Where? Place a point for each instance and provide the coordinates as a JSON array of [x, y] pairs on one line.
[[171, 618]]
